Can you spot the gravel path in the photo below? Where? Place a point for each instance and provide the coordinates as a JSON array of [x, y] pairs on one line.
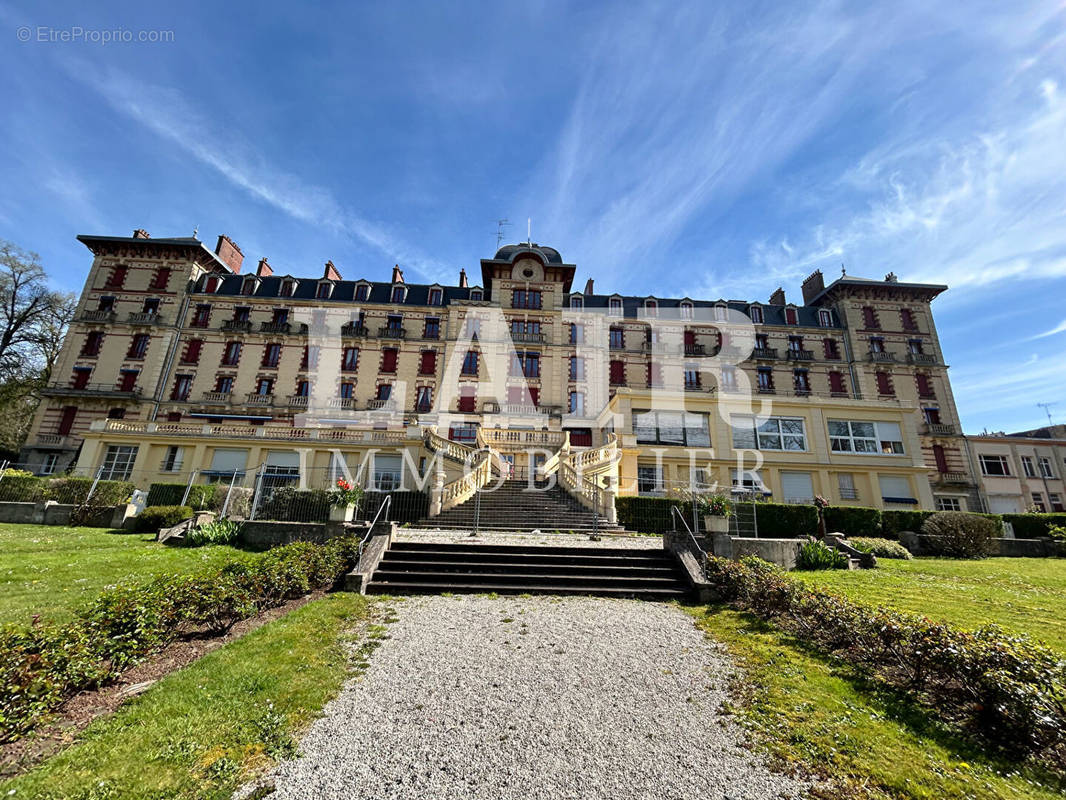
[[533, 697]]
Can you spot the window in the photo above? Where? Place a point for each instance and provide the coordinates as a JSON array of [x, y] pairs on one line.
[[138, 346], [1045, 468], [577, 302], [346, 390], [617, 338], [118, 462], [432, 328], [93, 341], [211, 283], [527, 364], [940, 456], [271, 355], [577, 404], [1038, 503], [614, 306], [394, 324], [388, 359], [66, 420], [925, 386], [1056, 502], [310, 356], [1028, 467], [470, 363], [192, 351], [473, 327], [884, 384], [852, 436], [797, 487], [776, 433], [618, 373], [948, 504], [224, 384], [686, 310], [280, 316], [577, 333], [755, 312], [577, 368], [729, 379], [467, 399], [721, 313], [116, 278], [435, 297], [914, 346], [837, 387], [527, 328], [349, 359], [160, 279], [228, 462], [832, 352], [762, 341], [107, 303], [906, 318], [671, 428], [303, 388], [525, 298], [287, 288], [932, 415], [476, 294], [398, 294], [202, 316], [242, 314], [248, 286], [231, 354], [182, 387], [264, 386], [127, 380], [49, 464], [362, 292], [825, 319], [649, 479], [80, 378], [869, 318], [801, 382], [846, 486], [424, 399], [388, 474], [324, 290], [764, 377], [795, 344], [791, 317], [877, 344], [692, 377], [651, 308], [427, 365], [896, 489]]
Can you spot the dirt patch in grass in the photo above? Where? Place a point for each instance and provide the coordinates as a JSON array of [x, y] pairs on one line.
[[76, 714]]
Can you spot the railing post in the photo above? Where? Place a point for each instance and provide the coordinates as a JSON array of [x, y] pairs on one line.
[[229, 495], [188, 487], [257, 493], [610, 491], [436, 498]]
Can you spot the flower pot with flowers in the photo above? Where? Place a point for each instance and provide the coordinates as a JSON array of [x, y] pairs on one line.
[[344, 497], [716, 510]]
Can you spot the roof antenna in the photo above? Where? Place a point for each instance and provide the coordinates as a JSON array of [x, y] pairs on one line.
[[842, 271], [499, 231], [195, 230], [1047, 410], [529, 231]]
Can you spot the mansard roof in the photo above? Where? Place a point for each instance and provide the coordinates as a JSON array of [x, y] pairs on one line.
[[417, 294], [772, 314]]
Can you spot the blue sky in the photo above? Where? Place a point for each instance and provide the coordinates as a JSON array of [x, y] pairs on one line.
[[711, 150]]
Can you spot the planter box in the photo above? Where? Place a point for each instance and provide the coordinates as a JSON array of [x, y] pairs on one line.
[[341, 513], [715, 524]]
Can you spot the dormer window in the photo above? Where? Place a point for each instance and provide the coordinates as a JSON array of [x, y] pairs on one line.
[[248, 287], [614, 305], [651, 308], [435, 297], [288, 287], [755, 312], [577, 301], [791, 316], [362, 292], [325, 289], [825, 319], [686, 310], [399, 293], [476, 294], [721, 313], [211, 283]]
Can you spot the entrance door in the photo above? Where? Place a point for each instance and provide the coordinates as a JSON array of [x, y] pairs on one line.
[[507, 461]]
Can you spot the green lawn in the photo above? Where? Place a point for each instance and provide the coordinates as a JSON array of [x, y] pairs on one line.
[[1025, 595], [51, 570], [807, 709], [200, 732]]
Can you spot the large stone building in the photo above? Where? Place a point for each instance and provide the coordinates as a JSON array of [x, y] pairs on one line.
[[179, 366], [1021, 472]]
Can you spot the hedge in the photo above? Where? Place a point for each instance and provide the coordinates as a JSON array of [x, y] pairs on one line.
[[776, 520], [154, 518], [1031, 526], [892, 522], [853, 520], [42, 665], [1003, 688], [72, 491], [20, 488], [786, 521], [171, 494], [647, 514]]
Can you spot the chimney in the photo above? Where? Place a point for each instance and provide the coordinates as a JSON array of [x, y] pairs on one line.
[[397, 274], [141, 233], [229, 253], [462, 279], [778, 297], [813, 286], [331, 272], [263, 270], [588, 286]]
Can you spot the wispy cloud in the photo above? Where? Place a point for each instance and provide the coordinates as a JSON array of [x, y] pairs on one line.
[[1060, 328], [167, 113]]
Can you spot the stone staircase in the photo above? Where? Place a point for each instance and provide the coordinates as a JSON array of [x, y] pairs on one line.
[[513, 507], [430, 568]]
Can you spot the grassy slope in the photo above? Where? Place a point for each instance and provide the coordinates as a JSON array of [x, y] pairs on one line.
[[51, 570], [806, 709], [201, 731], [1026, 595]]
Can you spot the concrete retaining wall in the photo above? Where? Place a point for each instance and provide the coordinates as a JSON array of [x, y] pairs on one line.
[[782, 552], [920, 545], [264, 534], [59, 514]]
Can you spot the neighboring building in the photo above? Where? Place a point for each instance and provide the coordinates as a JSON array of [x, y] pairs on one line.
[[1020, 473], [177, 363]]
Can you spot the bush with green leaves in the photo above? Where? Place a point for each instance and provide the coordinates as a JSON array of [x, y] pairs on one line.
[[1057, 532], [882, 548], [43, 664], [892, 522], [1027, 526], [1002, 688], [218, 531], [853, 520], [786, 520], [20, 486], [956, 534], [155, 518], [75, 491], [815, 555], [201, 496]]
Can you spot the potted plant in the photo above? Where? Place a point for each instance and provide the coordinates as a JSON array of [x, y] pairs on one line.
[[716, 510], [343, 499]]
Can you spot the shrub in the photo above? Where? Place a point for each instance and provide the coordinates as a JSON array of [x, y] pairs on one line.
[[154, 518], [651, 514], [219, 531], [406, 506], [819, 555], [287, 504], [19, 486], [240, 504], [956, 534], [892, 522], [43, 665], [76, 491], [786, 521], [1057, 532], [882, 548], [853, 520], [1004, 689], [170, 494], [1026, 526]]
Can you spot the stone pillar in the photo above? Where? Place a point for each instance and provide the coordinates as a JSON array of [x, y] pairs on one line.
[[611, 490], [436, 497]]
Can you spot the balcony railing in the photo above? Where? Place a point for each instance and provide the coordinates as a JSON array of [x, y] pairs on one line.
[[381, 405], [215, 398], [145, 318], [695, 350], [921, 358], [353, 330], [527, 338], [881, 356], [342, 402], [242, 325], [275, 327], [257, 399], [938, 429], [954, 477], [55, 440], [799, 355], [97, 315], [63, 389], [764, 353], [523, 410], [391, 332], [297, 401], [229, 431]]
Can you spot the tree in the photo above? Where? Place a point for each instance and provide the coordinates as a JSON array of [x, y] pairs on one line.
[[33, 322]]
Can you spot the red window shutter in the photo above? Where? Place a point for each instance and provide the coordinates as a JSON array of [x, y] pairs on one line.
[[884, 384], [192, 351], [429, 362], [869, 317], [128, 381], [388, 360], [690, 339], [618, 372], [534, 395], [941, 458], [836, 383], [211, 284], [81, 378], [790, 316], [66, 420], [514, 395], [467, 400]]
